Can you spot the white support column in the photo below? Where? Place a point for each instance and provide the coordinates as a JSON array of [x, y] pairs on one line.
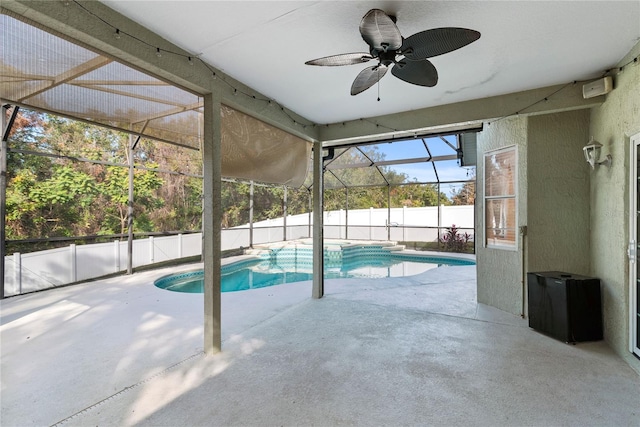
[[17, 273], [404, 223], [370, 223], [180, 245], [251, 190], [73, 273], [212, 165], [4, 134], [388, 212], [318, 223], [151, 250], [130, 208], [439, 215], [310, 220], [116, 255], [284, 215], [346, 213]]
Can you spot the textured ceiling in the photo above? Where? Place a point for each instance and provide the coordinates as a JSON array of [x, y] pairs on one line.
[[264, 44]]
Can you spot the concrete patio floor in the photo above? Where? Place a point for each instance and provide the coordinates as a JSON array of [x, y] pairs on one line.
[[402, 351]]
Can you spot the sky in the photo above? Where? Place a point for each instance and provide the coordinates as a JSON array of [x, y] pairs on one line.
[[424, 172]]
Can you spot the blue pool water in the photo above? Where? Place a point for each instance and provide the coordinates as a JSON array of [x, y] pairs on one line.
[[260, 273]]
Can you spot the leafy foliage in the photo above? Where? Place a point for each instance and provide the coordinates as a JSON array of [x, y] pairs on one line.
[[466, 195], [55, 194]]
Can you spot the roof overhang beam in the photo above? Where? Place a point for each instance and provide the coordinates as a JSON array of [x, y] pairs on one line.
[[457, 117], [335, 166]]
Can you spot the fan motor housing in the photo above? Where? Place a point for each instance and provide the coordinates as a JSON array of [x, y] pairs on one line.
[[387, 58]]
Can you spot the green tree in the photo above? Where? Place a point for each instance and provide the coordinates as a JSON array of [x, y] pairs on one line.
[[115, 188], [58, 205], [235, 204], [56, 196], [466, 195], [181, 194], [417, 195], [298, 200], [364, 193], [48, 196]]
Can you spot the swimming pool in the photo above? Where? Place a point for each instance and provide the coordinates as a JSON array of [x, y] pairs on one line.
[[259, 273]]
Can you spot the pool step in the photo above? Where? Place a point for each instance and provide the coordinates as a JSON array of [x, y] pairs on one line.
[[334, 252]]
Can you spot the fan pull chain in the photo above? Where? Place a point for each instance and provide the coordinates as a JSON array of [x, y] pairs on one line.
[[378, 84]]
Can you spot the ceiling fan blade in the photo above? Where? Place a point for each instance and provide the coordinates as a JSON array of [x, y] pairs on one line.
[[421, 73], [430, 43], [367, 78], [380, 32], [343, 59]]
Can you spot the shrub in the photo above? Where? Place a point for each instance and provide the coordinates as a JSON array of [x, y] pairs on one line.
[[454, 241]]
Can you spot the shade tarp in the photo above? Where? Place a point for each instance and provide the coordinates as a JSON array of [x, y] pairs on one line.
[[255, 150]]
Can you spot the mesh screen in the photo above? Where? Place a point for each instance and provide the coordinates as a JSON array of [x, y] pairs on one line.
[[43, 71], [46, 72], [359, 177]]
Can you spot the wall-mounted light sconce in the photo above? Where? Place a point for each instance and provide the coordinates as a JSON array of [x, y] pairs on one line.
[[592, 154]]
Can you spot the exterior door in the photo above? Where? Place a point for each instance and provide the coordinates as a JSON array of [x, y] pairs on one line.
[[634, 239]]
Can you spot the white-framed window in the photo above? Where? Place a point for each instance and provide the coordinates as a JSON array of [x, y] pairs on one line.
[[500, 172]]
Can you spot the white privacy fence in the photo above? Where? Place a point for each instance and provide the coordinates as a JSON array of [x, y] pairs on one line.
[[430, 216], [400, 224], [75, 263]]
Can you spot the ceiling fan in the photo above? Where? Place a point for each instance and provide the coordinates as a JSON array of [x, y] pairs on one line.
[[407, 58]]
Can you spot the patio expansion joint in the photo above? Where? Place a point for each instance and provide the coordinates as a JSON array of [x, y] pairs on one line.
[[410, 283], [414, 281], [418, 311], [265, 319], [126, 389]]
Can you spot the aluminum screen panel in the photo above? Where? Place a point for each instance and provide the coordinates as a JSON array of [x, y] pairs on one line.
[[42, 71]]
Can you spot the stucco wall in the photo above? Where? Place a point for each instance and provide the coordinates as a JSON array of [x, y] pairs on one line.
[[552, 201], [612, 124], [499, 271], [558, 193]]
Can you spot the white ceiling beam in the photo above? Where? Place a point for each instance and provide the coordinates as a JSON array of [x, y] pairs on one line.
[[457, 116]]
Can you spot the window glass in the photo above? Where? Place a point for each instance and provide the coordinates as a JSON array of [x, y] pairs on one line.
[[500, 198]]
